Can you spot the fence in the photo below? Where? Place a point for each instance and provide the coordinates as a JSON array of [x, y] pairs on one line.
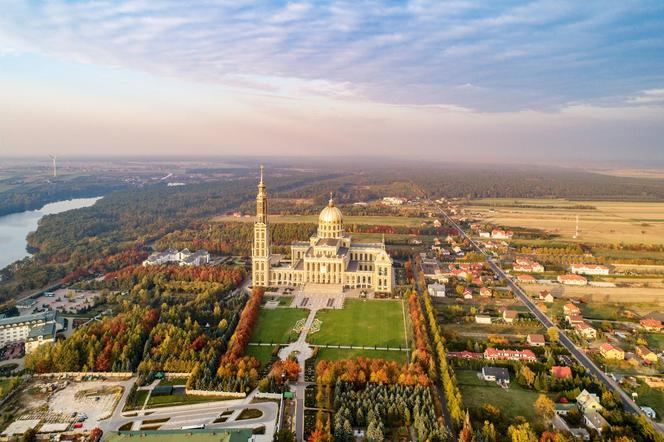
[[232, 394]]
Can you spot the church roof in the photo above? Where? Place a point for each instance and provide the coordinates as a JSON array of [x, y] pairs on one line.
[[330, 214]]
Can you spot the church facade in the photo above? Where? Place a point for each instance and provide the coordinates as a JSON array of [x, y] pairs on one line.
[[328, 257]]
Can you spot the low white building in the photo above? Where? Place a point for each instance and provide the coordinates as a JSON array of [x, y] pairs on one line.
[[436, 290], [589, 269], [181, 257], [482, 319]]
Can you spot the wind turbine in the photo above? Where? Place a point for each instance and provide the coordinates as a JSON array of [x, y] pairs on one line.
[[55, 170]]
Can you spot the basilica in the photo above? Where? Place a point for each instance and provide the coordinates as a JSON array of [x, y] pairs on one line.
[[329, 257]]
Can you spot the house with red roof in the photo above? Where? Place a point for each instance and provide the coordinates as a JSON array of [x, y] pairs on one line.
[[571, 309], [572, 279], [526, 279], [610, 351], [510, 355], [653, 325], [509, 316], [536, 340], [560, 372], [585, 330]]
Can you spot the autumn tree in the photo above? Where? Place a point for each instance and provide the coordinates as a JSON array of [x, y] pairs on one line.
[[544, 406]]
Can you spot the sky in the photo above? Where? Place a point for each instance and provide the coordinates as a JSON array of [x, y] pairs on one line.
[[560, 81]]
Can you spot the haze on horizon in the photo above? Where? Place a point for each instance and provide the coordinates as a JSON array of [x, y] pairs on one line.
[[522, 81]]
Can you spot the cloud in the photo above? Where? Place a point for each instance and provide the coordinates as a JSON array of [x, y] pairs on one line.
[[649, 97], [521, 55]]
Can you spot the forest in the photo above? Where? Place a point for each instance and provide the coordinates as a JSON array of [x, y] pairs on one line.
[[170, 318]]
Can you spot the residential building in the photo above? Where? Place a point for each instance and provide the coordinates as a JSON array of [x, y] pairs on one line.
[[467, 294], [527, 265], [646, 354], [589, 269], [571, 309], [609, 351], [536, 340], [465, 355], [546, 296], [649, 412], [574, 319], [509, 316], [653, 325], [393, 201], [526, 279], [511, 355], [482, 319], [436, 290], [585, 330], [498, 375], [485, 234], [34, 329], [560, 372], [596, 421], [501, 234], [572, 279], [485, 292], [587, 401]]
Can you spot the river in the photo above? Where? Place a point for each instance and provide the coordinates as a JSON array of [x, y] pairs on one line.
[[14, 228]]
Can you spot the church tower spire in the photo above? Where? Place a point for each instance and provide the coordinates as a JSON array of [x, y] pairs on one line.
[[260, 253]]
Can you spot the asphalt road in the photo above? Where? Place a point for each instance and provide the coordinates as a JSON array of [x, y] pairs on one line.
[[578, 353]]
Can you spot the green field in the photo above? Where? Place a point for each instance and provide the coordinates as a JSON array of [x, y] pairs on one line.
[[262, 353], [362, 323], [174, 381], [492, 329], [335, 354], [515, 401], [655, 341], [276, 325], [652, 398], [182, 399]]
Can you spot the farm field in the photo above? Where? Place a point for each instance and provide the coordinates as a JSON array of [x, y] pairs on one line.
[[335, 354], [608, 222], [515, 401], [388, 220], [276, 325], [638, 298], [362, 323]]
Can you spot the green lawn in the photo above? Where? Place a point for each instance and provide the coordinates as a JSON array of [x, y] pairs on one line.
[[655, 341], [515, 401], [362, 322], [182, 399], [493, 329], [335, 354], [652, 398], [262, 353], [276, 325]]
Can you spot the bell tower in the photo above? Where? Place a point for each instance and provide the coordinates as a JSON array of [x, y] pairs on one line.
[[260, 252]]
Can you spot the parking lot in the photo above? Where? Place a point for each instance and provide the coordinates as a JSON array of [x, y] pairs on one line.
[[63, 300]]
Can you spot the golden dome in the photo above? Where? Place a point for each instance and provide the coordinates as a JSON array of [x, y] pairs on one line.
[[330, 214]]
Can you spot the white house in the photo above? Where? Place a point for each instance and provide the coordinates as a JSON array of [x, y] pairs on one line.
[[482, 319], [589, 269], [436, 290]]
